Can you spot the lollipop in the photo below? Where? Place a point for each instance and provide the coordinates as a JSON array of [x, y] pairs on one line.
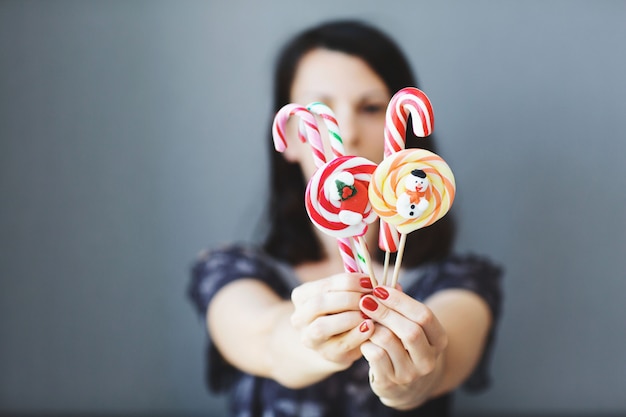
[[411, 189], [337, 202], [407, 101]]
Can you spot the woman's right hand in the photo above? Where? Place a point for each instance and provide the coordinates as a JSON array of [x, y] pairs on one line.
[[328, 317]]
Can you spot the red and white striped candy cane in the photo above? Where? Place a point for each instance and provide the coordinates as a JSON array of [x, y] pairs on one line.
[[330, 121], [350, 261], [307, 131], [407, 101]]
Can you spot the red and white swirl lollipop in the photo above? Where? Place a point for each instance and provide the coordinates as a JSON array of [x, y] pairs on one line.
[[407, 101], [337, 197], [337, 201]]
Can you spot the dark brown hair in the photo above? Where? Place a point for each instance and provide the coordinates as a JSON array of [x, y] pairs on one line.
[[290, 234]]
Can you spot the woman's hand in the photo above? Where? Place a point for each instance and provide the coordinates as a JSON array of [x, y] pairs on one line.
[[328, 317], [405, 351]]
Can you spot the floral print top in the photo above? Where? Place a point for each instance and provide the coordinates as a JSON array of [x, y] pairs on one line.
[[347, 393]]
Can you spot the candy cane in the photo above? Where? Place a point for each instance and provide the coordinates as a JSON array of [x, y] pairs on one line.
[[338, 149], [361, 251], [407, 101], [307, 131], [328, 117]]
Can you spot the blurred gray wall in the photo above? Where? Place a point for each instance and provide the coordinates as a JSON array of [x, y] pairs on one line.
[[133, 134]]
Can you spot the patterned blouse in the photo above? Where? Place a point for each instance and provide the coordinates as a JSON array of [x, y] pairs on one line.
[[347, 393]]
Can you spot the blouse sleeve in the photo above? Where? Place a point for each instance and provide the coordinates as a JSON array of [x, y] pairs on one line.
[[215, 269], [480, 276], [211, 272]]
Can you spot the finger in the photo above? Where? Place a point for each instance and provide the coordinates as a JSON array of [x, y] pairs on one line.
[[355, 282], [402, 365], [392, 345], [411, 355], [379, 362], [324, 304], [356, 336], [410, 333], [405, 342], [345, 346], [324, 328], [414, 311]]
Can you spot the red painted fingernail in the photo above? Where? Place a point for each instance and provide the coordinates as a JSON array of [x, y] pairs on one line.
[[370, 304], [381, 293], [366, 283], [364, 327], [365, 316]]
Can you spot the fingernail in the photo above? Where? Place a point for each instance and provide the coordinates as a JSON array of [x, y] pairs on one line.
[[366, 283], [365, 316], [364, 327], [381, 293], [370, 304]]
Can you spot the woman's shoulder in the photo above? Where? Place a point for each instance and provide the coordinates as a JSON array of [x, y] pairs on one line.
[[470, 271], [459, 266], [471, 264], [218, 256], [214, 268]]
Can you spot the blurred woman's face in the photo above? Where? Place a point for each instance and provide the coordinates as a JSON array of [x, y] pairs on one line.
[[355, 93]]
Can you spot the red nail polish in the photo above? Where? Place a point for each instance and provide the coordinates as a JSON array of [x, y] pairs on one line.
[[366, 283], [365, 316], [364, 327], [369, 304], [381, 293]]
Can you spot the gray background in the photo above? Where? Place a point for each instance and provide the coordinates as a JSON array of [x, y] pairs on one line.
[[132, 135]]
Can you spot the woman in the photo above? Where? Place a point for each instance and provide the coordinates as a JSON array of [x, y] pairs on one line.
[[291, 334]]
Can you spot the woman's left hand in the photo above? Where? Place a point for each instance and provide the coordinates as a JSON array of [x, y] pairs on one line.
[[405, 352]]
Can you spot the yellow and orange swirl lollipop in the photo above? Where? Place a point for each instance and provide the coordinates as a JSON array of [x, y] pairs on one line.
[[411, 189]]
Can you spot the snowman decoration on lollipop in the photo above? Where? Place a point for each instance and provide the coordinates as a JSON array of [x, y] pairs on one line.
[[414, 201]]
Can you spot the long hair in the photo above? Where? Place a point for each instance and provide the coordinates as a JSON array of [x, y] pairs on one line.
[[290, 234]]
